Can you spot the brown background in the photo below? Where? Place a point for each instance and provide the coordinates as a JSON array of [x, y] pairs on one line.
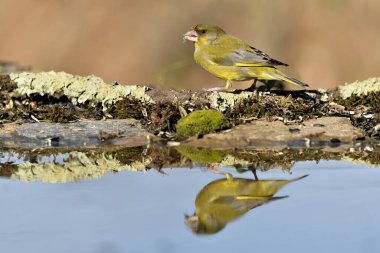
[[326, 42]]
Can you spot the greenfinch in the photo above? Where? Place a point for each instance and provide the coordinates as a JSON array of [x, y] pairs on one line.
[[225, 200], [231, 59]]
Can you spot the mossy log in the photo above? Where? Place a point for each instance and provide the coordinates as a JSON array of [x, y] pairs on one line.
[[60, 97]]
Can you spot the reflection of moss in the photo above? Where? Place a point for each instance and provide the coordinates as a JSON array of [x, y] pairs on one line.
[[94, 163], [128, 155], [201, 122], [230, 160], [201, 155], [78, 166], [270, 159], [365, 158]]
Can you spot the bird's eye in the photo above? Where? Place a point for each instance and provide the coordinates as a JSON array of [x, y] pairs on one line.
[[202, 31]]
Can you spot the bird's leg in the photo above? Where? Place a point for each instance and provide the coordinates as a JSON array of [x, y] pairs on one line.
[[253, 170], [253, 86], [228, 84]]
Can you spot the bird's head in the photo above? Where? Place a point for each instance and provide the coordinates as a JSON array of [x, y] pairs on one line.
[[203, 34]]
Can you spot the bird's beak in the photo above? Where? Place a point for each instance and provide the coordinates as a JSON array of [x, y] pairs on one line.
[[192, 222], [190, 36]]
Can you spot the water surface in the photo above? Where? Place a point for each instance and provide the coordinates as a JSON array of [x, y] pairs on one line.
[[334, 209]]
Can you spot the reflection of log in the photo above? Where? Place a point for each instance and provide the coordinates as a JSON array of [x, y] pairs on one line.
[[77, 166], [64, 165]]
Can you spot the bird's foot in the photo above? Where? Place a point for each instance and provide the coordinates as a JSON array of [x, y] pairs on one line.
[[215, 170], [253, 86]]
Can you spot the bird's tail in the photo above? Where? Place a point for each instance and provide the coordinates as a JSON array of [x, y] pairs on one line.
[[298, 178], [294, 81], [274, 73]]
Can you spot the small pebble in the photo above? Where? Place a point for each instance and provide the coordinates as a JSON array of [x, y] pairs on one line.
[[294, 130]]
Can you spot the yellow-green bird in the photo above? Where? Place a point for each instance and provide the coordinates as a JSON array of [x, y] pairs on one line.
[[231, 59], [225, 200]]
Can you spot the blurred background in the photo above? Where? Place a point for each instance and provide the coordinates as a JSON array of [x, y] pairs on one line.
[[325, 42]]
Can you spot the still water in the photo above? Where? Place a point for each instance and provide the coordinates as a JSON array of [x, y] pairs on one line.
[[334, 209]]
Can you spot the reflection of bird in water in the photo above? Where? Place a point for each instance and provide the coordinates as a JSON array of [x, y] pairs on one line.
[[225, 200]]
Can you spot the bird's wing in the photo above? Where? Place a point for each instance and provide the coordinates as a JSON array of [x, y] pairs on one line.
[[253, 56], [243, 202], [238, 53]]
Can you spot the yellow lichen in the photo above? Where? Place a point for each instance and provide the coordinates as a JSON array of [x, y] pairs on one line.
[[360, 88], [78, 89], [221, 101]]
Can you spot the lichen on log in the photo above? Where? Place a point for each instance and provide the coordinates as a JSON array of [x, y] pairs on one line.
[[358, 88], [78, 89], [61, 97]]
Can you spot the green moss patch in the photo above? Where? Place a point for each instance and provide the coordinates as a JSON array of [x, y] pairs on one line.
[[126, 108], [289, 108], [201, 122], [372, 99], [201, 155]]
